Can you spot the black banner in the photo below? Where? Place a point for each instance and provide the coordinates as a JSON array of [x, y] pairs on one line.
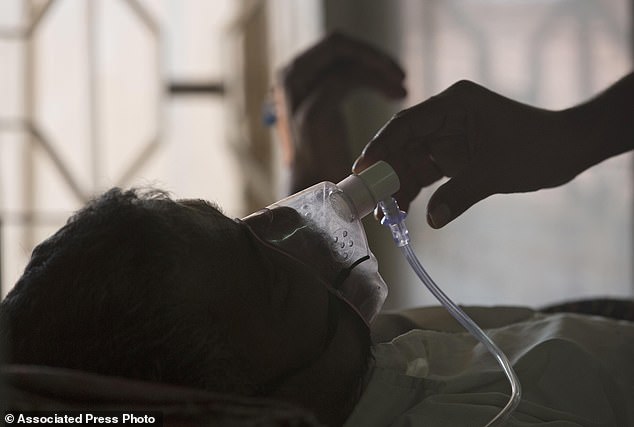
[[82, 418]]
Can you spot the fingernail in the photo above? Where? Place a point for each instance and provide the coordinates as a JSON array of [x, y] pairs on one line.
[[439, 216]]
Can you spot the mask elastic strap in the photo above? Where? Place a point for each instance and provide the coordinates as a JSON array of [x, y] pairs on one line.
[[343, 274]]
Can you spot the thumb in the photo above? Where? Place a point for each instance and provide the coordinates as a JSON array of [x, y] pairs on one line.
[[457, 195]]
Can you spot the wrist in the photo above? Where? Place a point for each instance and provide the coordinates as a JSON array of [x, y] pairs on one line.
[[583, 137], [604, 126]]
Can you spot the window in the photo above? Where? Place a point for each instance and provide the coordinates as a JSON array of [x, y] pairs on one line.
[[108, 93]]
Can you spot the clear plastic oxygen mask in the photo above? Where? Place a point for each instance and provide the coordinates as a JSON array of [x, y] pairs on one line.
[[321, 227]]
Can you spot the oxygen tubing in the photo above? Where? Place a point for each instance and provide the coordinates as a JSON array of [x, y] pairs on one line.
[[394, 219]]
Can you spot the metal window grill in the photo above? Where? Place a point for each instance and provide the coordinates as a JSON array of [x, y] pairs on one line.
[[35, 14]]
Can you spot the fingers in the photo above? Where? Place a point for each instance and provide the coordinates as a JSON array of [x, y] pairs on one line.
[[404, 143], [415, 170], [360, 62], [413, 126], [423, 144], [458, 194], [443, 119]]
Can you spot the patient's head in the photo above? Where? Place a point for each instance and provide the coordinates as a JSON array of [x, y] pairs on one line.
[[139, 285]]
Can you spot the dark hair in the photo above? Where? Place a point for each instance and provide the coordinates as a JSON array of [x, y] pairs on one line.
[[120, 290]]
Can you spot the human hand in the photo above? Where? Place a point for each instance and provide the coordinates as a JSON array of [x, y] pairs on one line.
[[309, 96], [484, 142]]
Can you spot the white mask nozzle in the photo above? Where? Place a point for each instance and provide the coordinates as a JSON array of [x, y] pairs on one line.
[[366, 189]]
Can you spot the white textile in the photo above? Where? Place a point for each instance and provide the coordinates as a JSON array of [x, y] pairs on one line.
[[575, 371]]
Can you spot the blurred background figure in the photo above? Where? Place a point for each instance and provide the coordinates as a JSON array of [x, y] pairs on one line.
[[171, 93]]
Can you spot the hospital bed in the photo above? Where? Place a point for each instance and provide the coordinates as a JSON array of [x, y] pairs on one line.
[[42, 388]]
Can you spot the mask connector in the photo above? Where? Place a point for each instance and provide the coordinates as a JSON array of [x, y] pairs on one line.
[[366, 189], [394, 218]]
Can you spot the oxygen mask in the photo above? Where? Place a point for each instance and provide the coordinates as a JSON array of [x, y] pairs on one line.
[[321, 227]]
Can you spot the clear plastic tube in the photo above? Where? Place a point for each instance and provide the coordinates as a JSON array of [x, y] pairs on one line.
[[394, 219]]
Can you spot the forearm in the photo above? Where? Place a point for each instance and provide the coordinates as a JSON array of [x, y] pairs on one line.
[[603, 127]]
